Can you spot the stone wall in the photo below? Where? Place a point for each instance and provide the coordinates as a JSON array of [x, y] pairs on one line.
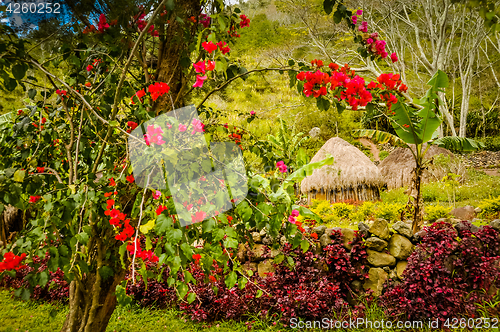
[[388, 249]]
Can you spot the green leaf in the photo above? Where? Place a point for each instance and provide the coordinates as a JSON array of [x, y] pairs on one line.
[[19, 70], [242, 282], [182, 290], [191, 297], [304, 245], [43, 279], [163, 223], [231, 243], [278, 259], [231, 232], [83, 237], [328, 6], [290, 261], [379, 137], [32, 93], [173, 235], [186, 248], [323, 104], [230, 280], [188, 277], [458, 144], [307, 170], [259, 294], [19, 175], [244, 210], [121, 296], [208, 225]]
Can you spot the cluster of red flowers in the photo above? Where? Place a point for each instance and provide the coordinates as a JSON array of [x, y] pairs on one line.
[[132, 125], [34, 199], [12, 262], [40, 169], [245, 21], [95, 63], [144, 254], [61, 93], [156, 90], [232, 32], [392, 82], [102, 25], [236, 138], [390, 100], [211, 47], [141, 24], [352, 86]]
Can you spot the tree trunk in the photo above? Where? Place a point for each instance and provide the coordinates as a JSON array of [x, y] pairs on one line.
[[175, 47], [92, 302], [418, 219]]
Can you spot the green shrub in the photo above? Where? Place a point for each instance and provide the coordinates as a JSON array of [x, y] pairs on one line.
[[390, 212], [382, 155], [363, 212], [394, 196], [433, 213], [490, 207], [342, 210], [324, 210]]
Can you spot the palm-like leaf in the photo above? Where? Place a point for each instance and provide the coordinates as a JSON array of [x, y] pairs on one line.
[[380, 137], [458, 144]]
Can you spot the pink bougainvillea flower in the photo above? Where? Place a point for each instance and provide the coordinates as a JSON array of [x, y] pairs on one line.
[[369, 41], [199, 81], [198, 126], [354, 19], [394, 57], [292, 219], [154, 135], [374, 35], [363, 27], [245, 21], [90, 67], [210, 65], [204, 20], [281, 166], [359, 12], [209, 46], [182, 127], [157, 194], [200, 67], [168, 125], [252, 113], [295, 213]]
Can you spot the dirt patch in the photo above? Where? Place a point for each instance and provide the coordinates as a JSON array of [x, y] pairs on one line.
[[491, 171], [373, 148]]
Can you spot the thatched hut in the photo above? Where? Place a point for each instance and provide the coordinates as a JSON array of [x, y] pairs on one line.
[[397, 168], [352, 175]]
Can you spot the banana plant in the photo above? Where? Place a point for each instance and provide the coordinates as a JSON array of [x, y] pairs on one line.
[[417, 127]]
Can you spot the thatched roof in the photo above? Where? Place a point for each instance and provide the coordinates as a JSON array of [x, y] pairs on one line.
[[351, 168], [397, 167]]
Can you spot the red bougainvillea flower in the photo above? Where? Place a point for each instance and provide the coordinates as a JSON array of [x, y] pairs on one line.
[[34, 199], [11, 262], [223, 48], [245, 21], [160, 209], [40, 169], [394, 57], [139, 94], [44, 120], [333, 66], [108, 194], [198, 216], [182, 127], [199, 81], [197, 258], [210, 65], [212, 278], [130, 178], [198, 126], [88, 84], [19, 112], [90, 67], [89, 29], [158, 89], [61, 93], [281, 166], [102, 24], [314, 235], [132, 124], [200, 67], [317, 63], [112, 182], [157, 194], [209, 46]]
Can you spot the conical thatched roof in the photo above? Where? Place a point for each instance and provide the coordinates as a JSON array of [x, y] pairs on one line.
[[398, 166], [351, 169]]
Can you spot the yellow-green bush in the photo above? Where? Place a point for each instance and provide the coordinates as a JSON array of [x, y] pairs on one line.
[[363, 212], [490, 208], [433, 213], [342, 210], [390, 212]]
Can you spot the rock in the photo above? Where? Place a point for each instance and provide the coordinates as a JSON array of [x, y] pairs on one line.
[[363, 229], [249, 266], [314, 132], [347, 237], [375, 243], [267, 240], [454, 221], [380, 229], [478, 210], [257, 252], [393, 275], [241, 255], [495, 224], [274, 252], [357, 286], [400, 267], [386, 269], [403, 229], [462, 226], [265, 267], [379, 259], [463, 213], [263, 232], [320, 230], [375, 281], [321, 265], [256, 237], [325, 240], [400, 247], [449, 263], [418, 236]]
